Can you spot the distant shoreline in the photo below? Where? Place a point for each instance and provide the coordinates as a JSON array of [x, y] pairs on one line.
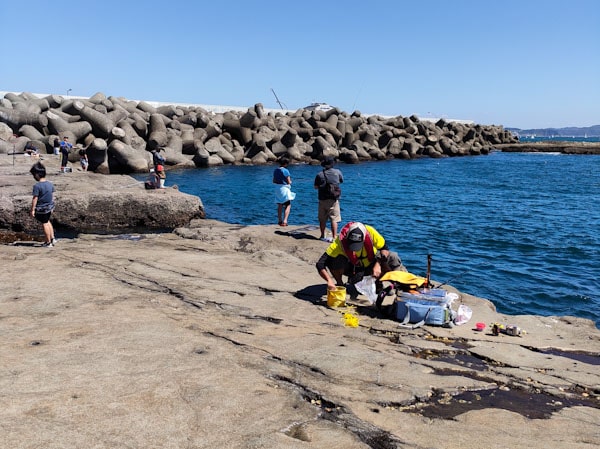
[[565, 147]]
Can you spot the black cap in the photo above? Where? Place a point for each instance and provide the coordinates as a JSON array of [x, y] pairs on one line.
[[355, 238], [328, 162]]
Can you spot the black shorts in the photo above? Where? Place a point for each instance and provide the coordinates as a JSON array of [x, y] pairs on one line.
[[43, 218], [339, 262], [390, 263]]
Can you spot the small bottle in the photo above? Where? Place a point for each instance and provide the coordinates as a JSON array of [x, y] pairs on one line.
[[515, 331]]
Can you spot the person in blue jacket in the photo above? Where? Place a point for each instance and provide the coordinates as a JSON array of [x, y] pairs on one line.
[[283, 191]]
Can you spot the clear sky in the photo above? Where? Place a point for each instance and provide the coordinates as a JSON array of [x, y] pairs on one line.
[[517, 63]]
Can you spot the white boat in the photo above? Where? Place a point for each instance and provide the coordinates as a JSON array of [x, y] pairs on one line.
[[318, 107]]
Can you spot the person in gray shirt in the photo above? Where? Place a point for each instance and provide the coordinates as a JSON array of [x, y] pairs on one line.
[[328, 184], [42, 203]]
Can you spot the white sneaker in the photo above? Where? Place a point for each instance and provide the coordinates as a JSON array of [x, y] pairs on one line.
[[48, 245]]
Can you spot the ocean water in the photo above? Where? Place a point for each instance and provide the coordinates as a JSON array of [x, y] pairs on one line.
[[520, 229]]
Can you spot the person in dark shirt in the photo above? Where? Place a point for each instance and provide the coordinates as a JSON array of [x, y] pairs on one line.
[[65, 148], [328, 184]]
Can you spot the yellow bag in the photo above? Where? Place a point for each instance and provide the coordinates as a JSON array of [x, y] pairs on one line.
[[411, 281]]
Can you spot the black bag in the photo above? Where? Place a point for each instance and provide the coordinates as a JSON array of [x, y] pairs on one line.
[[149, 185], [333, 191]]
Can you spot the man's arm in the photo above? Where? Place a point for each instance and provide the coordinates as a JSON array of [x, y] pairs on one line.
[[317, 182], [322, 269]]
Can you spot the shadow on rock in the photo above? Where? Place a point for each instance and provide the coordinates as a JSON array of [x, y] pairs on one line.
[[312, 293], [300, 233]]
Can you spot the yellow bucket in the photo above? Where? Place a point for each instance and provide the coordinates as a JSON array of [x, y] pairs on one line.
[[337, 297]]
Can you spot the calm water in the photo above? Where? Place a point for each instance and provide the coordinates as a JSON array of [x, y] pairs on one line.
[[519, 229]]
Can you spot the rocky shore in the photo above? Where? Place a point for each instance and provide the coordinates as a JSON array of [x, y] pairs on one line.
[[119, 134], [90, 202], [218, 335]]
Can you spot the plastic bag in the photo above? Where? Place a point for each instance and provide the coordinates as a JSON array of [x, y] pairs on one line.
[[463, 315], [367, 287]]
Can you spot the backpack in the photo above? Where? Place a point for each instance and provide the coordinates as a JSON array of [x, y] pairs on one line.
[[333, 191]]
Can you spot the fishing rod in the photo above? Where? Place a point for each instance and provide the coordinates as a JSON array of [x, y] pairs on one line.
[[428, 278], [453, 278], [458, 276]]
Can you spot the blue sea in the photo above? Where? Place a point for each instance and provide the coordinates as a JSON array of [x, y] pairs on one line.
[[520, 229]]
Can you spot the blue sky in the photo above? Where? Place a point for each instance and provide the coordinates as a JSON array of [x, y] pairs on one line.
[[522, 64]]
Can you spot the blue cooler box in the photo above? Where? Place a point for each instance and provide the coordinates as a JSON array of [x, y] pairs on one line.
[[431, 306]]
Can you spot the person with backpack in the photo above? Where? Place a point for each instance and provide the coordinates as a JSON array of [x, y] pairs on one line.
[[358, 251], [328, 184]]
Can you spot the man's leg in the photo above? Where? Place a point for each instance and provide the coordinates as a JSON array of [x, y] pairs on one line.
[[322, 226], [335, 216], [286, 211], [391, 263], [334, 228], [322, 219], [279, 210]]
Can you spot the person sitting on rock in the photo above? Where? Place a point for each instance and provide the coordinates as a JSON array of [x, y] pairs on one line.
[[358, 251], [153, 181], [31, 150], [83, 159]]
